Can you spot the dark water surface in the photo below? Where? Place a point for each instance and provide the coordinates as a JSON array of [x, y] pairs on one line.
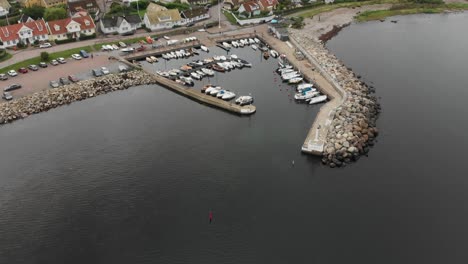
[[129, 177]]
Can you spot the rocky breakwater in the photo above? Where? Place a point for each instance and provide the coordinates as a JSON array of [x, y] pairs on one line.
[[52, 98], [353, 128]]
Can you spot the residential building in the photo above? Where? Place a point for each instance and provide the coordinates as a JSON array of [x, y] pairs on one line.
[[195, 14], [232, 4], [26, 33], [71, 28], [251, 8], [44, 3], [90, 6], [196, 2], [279, 30], [268, 5], [123, 25], [4, 8], [158, 17]]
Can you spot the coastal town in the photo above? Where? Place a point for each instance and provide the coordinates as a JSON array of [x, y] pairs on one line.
[[57, 52]]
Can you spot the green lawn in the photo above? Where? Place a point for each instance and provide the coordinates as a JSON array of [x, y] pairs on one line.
[[327, 8], [5, 57], [66, 54], [230, 17]]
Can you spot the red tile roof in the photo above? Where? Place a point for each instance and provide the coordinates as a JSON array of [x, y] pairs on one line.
[[8, 33], [62, 23], [251, 6], [268, 3]]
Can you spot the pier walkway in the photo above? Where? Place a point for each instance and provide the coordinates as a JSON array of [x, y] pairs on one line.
[[317, 135]]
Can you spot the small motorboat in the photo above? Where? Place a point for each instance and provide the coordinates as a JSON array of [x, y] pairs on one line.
[[195, 51], [185, 68], [244, 100], [215, 91], [207, 71], [254, 46], [284, 71], [220, 93], [256, 40], [286, 67], [187, 80], [216, 67], [223, 58], [154, 59], [251, 41], [199, 72], [301, 87], [235, 44], [234, 56], [166, 37], [204, 48], [228, 95], [274, 53], [206, 87], [318, 99], [290, 76], [241, 43], [305, 95], [266, 55], [149, 60], [195, 75], [245, 63], [295, 80], [227, 45]]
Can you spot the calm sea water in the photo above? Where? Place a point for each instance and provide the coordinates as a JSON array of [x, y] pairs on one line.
[[130, 177]]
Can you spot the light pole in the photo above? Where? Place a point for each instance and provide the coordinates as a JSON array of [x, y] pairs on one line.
[[219, 15]]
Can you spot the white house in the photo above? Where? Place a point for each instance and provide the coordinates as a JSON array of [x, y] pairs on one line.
[[73, 27], [26, 33], [4, 8], [158, 17], [123, 25], [251, 8], [194, 15]]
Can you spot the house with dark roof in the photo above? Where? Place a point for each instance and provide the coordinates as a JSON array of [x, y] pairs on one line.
[[72, 27], [90, 6], [123, 25], [26, 33], [251, 8], [195, 14]]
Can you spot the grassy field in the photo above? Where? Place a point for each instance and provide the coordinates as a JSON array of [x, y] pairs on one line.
[[66, 54], [230, 17], [409, 10], [5, 57], [327, 8]]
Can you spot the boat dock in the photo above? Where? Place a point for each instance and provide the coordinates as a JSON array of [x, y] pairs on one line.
[[141, 55], [316, 137], [197, 95]]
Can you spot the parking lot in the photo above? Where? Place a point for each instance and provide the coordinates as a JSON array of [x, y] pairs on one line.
[[35, 81]]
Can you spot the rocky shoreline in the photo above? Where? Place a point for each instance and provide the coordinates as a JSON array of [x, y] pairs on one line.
[[52, 98], [353, 128]]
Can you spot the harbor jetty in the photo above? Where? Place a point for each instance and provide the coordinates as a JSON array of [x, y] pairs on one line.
[[345, 131], [52, 98]]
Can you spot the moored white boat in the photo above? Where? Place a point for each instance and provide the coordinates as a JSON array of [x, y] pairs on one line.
[[228, 95], [227, 45], [220, 93], [204, 48], [244, 100], [149, 60], [154, 59], [318, 99], [234, 56], [215, 91], [254, 46], [251, 41], [256, 40], [305, 95], [295, 80], [274, 53], [303, 86], [207, 71], [195, 75]]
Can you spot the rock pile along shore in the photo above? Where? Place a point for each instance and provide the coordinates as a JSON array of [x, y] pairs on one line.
[[52, 98], [353, 129]]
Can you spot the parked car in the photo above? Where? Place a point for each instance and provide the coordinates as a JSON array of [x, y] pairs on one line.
[[7, 96], [84, 54], [12, 73], [97, 72], [61, 60], [23, 70], [3, 77], [33, 67], [42, 64], [54, 62], [12, 87], [104, 70], [122, 45], [64, 81], [141, 48], [76, 56], [54, 84], [72, 78], [45, 45], [191, 24]]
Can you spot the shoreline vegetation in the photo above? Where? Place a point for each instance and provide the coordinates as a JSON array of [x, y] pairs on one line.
[[399, 7]]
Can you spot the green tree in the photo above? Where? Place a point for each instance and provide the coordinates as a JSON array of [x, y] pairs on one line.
[[305, 2], [142, 4], [44, 56], [55, 13], [34, 12]]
